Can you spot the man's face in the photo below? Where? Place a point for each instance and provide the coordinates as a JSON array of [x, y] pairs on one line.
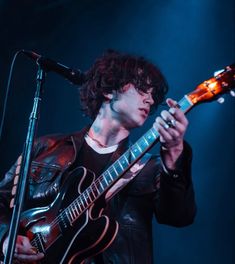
[[131, 107]]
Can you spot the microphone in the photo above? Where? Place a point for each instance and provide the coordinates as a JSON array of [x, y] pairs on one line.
[[74, 76]]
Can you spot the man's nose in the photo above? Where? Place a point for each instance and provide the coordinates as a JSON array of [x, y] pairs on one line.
[[149, 99]]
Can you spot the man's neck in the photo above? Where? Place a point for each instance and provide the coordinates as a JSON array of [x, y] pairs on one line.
[[107, 130]]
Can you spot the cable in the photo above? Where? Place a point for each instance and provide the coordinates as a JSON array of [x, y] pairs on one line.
[[7, 92]]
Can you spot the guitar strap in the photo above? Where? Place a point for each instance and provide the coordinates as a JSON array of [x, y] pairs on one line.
[[129, 175]]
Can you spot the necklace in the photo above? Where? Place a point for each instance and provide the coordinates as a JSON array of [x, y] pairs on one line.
[[97, 141]]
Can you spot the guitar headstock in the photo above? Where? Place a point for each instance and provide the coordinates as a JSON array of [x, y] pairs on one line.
[[211, 89]]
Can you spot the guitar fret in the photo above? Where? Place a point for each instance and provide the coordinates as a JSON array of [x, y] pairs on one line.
[[143, 146], [135, 149], [149, 137], [70, 213], [67, 212], [124, 161], [101, 185], [91, 193], [153, 133], [78, 213], [138, 147], [75, 207], [87, 196], [75, 210], [127, 161], [118, 168], [77, 202], [133, 154], [110, 175], [115, 170], [82, 201], [120, 164], [96, 190], [105, 180], [107, 177], [144, 143], [145, 140]]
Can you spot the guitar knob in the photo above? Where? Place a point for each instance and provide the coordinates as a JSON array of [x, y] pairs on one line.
[[232, 93], [220, 100]]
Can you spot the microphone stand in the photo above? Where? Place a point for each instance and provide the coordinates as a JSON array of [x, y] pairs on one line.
[[25, 167]]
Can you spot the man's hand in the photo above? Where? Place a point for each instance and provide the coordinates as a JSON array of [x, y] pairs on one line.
[[24, 251], [171, 126]]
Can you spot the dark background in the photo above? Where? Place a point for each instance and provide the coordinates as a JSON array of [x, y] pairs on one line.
[[188, 40]]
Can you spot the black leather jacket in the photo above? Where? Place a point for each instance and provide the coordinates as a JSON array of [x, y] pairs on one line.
[[170, 197]]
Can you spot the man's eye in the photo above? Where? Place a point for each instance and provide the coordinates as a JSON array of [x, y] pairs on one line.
[[141, 92]]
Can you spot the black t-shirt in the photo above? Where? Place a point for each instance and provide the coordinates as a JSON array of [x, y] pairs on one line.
[[92, 160]]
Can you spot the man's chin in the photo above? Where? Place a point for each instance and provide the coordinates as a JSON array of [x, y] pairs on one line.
[[139, 123]]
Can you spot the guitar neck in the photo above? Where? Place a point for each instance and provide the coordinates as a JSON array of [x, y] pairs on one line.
[[118, 168]]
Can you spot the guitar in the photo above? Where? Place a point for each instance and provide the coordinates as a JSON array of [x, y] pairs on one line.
[[73, 227]]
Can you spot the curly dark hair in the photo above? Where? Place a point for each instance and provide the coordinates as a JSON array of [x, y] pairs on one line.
[[112, 71]]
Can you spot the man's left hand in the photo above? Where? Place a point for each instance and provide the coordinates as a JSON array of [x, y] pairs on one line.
[[171, 125]]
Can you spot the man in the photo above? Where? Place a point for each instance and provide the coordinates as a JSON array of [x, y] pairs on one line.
[[119, 93]]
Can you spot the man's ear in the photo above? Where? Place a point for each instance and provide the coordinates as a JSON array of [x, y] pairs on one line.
[[108, 96]]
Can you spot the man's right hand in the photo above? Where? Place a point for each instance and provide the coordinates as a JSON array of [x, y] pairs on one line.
[[24, 251]]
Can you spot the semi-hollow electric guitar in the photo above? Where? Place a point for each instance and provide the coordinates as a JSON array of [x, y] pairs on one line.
[[73, 227]]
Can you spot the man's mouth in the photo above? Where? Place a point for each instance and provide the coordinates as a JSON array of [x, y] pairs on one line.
[[144, 110]]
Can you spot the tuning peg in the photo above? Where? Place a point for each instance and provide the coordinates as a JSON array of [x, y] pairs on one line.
[[220, 100], [232, 93]]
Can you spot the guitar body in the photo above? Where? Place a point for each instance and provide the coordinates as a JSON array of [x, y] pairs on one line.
[[51, 230]]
